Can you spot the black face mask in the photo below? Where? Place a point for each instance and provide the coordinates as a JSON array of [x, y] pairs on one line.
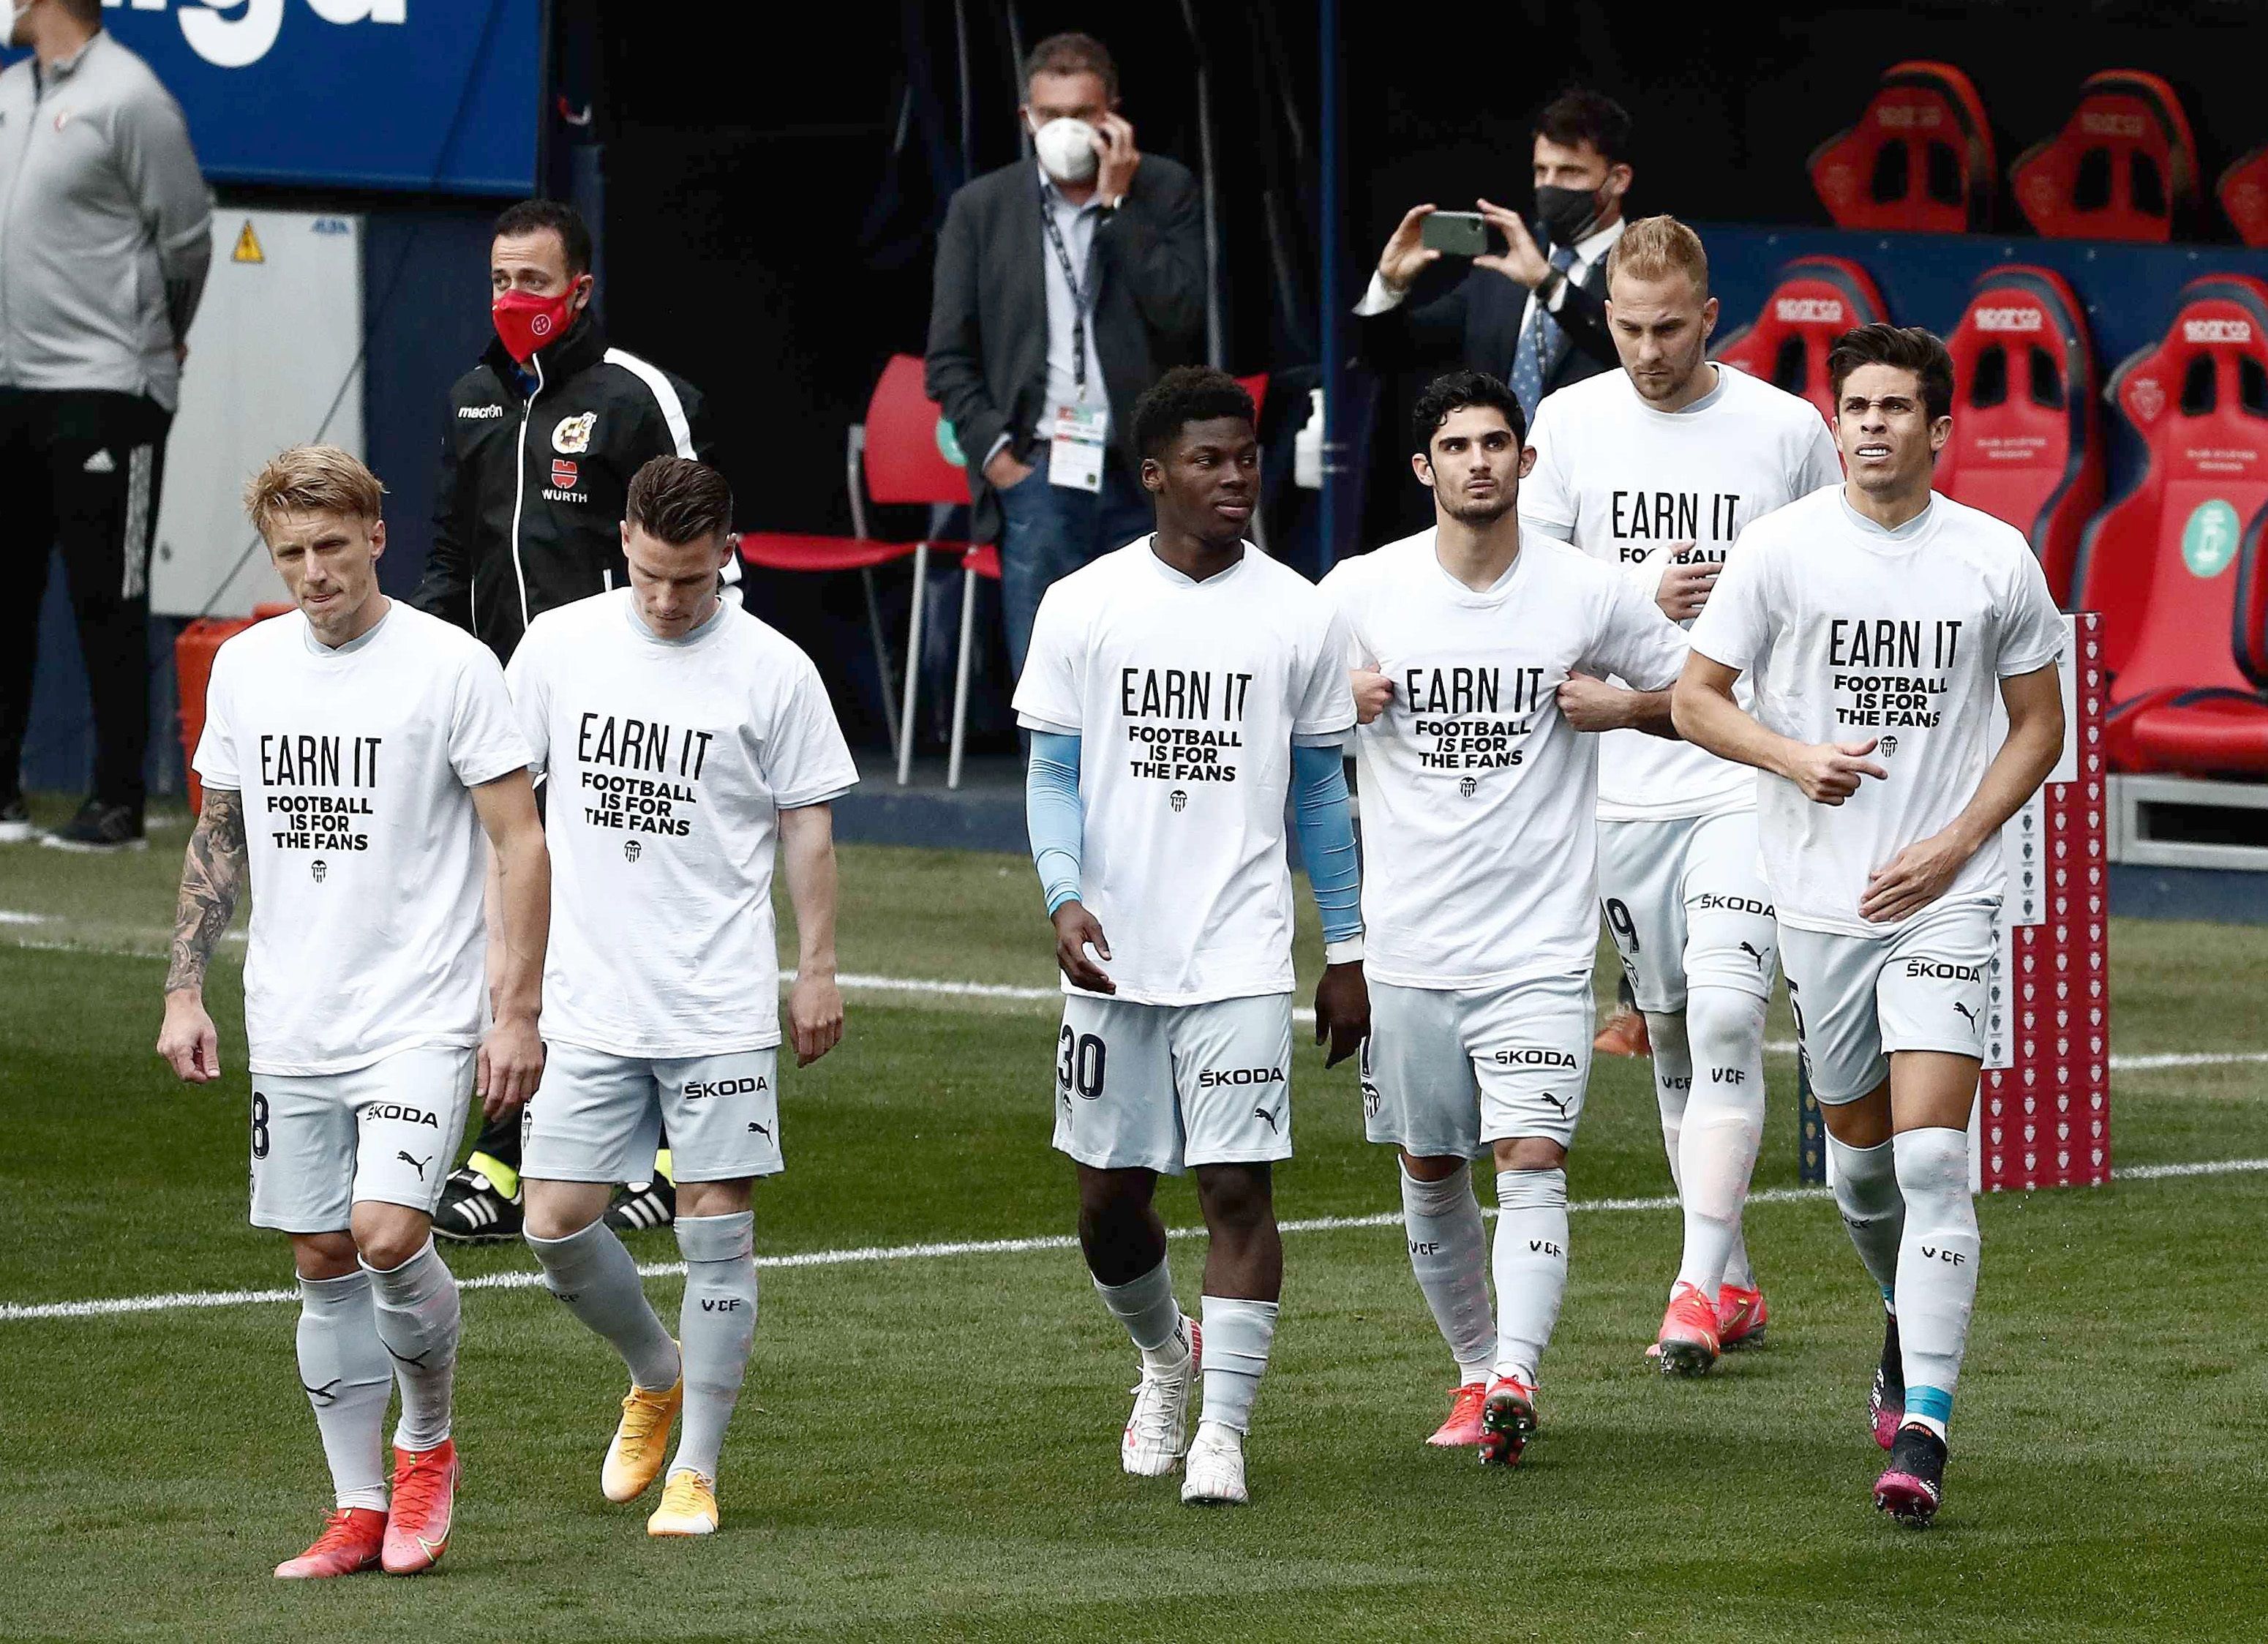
[[1567, 213]]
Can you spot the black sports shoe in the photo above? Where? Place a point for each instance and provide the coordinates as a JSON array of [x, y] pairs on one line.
[[100, 828], [643, 1204], [1913, 1485], [15, 821], [1886, 1400], [472, 1212]]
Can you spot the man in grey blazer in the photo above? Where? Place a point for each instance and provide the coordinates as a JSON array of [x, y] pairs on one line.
[[1066, 284]]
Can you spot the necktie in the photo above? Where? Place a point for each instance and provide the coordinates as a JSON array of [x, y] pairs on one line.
[[1540, 346]]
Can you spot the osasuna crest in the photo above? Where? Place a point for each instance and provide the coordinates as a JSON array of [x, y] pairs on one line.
[[1469, 785], [630, 848], [319, 868], [1889, 746], [1178, 799], [572, 437]]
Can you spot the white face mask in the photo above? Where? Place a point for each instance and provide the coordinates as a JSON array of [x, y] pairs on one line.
[[1066, 149]]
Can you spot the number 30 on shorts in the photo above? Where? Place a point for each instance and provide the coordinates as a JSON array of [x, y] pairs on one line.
[[1079, 1060]]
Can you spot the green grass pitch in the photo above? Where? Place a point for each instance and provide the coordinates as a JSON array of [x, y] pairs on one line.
[[927, 1448]]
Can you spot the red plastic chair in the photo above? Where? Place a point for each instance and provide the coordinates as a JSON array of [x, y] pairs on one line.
[[2122, 167], [1817, 300], [2026, 446], [896, 455], [1919, 159], [2243, 191], [982, 559], [2169, 565]]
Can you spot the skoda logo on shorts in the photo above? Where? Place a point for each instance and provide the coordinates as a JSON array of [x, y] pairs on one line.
[[1467, 786], [1178, 799], [630, 848]]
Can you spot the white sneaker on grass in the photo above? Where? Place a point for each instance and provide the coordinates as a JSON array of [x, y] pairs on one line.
[[1158, 1429], [1214, 1475]]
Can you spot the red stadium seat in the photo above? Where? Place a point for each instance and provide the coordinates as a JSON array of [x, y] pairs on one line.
[[2026, 447], [2124, 165], [2172, 565], [1920, 157], [1817, 300], [2243, 191], [898, 455]]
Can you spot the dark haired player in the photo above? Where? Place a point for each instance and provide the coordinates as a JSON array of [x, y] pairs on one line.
[[686, 743], [1481, 648], [1867, 610], [1178, 691]]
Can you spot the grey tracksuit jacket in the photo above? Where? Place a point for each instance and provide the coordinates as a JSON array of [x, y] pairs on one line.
[[106, 227]]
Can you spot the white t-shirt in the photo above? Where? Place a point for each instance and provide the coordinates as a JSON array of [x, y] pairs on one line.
[[1187, 697], [669, 761], [365, 851], [1623, 482], [1479, 843], [1851, 632]]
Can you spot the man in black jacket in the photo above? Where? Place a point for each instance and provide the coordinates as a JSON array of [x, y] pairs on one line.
[[1534, 321], [543, 437], [1066, 286]]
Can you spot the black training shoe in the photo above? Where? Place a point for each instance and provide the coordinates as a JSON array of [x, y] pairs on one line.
[[15, 821], [1886, 1400], [1913, 1485], [100, 828], [643, 1204], [472, 1212]]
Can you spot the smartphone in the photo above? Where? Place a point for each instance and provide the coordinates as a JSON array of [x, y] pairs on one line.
[[1457, 233]]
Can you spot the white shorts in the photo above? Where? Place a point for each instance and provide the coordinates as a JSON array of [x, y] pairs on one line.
[[322, 1141], [598, 1117], [1169, 1086], [1685, 902], [1857, 998], [1447, 1071]]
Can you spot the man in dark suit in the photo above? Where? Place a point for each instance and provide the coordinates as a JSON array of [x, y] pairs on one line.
[[1066, 286], [1534, 321]]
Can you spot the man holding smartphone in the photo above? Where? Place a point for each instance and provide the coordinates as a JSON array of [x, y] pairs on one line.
[[1066, 284], [1536, 321]]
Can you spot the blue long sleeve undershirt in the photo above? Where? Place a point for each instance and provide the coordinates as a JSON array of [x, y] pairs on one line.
[[1324, 816], [1321, 811]]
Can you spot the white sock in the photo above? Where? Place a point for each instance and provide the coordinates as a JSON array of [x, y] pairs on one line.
[[717, 1327], [419, 1321], [1238, 1334], [1672, 1084], [1531, 1267], [1865, 1181], [595, 1279], [1937, 1269], [1448, 1252], [344, 1368], [1724, 1126], [1146, 1307]]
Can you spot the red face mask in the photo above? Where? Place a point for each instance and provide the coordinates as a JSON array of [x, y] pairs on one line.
[[525, 323]]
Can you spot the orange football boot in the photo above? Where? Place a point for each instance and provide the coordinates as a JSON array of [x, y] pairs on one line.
[[425, 1507], [350, 1542]]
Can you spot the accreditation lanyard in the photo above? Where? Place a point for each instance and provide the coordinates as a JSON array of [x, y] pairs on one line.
[[1075, 452]]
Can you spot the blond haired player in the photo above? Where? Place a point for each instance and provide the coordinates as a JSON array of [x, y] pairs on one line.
[[1654, 470], [354, 753], [1881, 622]]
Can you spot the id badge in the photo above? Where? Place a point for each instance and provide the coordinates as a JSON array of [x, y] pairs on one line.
[[1075, 453]]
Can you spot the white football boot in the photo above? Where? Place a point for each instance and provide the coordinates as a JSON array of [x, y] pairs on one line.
[[1214, 1473], [1158, 1429]]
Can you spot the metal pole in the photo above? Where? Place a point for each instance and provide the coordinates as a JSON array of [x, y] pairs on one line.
[[1330, 326], [1216, 347]]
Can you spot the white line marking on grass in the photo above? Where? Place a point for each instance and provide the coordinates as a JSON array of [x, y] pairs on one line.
[[113, 1307], [10, 916]]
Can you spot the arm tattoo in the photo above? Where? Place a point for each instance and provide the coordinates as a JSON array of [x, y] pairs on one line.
[[212, 878]]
